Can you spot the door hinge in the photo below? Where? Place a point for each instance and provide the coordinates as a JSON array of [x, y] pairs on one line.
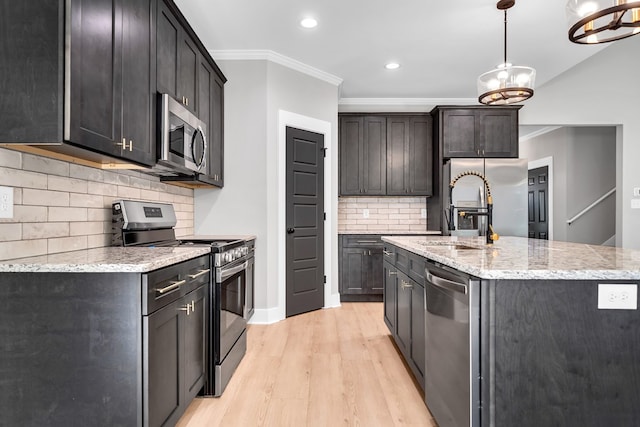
[[324, 151], [324, 215], [325, 279]]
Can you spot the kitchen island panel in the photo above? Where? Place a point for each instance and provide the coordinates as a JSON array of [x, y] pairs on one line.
[[561, 358], [70, 349]]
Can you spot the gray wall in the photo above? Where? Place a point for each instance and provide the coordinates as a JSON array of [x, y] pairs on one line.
[[248, 204], [598, 91], [584, 168]]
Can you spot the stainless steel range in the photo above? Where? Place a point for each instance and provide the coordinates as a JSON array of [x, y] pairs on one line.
[[230, 299]]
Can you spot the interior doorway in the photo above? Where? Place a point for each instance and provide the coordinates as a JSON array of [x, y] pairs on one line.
[[304, 221], [538, 202]]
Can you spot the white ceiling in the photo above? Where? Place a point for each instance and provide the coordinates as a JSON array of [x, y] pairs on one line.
[[442, 46]]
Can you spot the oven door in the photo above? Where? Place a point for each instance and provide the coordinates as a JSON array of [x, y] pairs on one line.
[[230, 292]]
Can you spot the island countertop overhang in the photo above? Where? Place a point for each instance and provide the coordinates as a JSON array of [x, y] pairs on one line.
[[519, 258]]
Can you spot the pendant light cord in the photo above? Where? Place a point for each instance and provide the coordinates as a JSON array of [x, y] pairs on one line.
[[505, 38]]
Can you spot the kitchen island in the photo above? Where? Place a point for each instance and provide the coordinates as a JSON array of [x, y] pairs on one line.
[[551, 330]]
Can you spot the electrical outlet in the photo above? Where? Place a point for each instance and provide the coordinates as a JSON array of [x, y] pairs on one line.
[[636, 192], [423, 213], [365, 213], [6, 202], [617, 296], [635, 203]]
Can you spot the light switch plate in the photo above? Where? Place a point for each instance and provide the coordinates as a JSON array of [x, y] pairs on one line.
[[423, 213], [6, 202], [617, 296], [365, 213]]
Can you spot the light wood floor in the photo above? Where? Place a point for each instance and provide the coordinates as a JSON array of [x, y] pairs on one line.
[[330, 367]]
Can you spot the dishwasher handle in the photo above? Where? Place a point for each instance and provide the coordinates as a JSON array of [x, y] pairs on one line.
[[443, 283]]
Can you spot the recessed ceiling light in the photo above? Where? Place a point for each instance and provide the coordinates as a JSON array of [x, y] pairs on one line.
[[309, 23], [392, 66]]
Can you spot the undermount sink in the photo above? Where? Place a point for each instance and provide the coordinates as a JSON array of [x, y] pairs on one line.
[[452, 245]]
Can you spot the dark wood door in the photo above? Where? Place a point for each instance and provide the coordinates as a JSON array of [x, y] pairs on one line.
[[187, 72], [418, 309], [216, 132], [194, 343], [351, 141], [389, 295], [373, 167], [138, 83], [458, 132], [397, 155], [167, 44], [164, 384], [403, 312], [94, 85], [419, 166], [497, 133], [538, 193], [304, 221]]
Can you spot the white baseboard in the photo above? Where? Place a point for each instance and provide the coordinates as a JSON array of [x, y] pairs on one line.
[[267, 316]]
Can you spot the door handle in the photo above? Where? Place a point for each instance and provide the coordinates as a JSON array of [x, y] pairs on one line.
[[291, 230]]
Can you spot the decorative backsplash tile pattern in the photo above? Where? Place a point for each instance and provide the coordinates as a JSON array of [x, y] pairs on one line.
[[60, 206], [385, 214]]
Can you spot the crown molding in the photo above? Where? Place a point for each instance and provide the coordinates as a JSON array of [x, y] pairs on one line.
[[539, 132], [407, 101], [269, 55]]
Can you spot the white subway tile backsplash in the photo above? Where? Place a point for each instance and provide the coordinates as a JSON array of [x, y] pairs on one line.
[[60, 206], [66, 244], [385, 213], [60, 183], [24, 179], [66, 214], [44, 230], [45, 165], [23, 248], [44, 197], [86, 200], [9, 232]]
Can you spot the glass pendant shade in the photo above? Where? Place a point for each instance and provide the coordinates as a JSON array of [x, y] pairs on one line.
[[602, 21], [507, 84]]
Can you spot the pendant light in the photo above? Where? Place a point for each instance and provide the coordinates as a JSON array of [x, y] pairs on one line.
[[602, 21], [507, 83]]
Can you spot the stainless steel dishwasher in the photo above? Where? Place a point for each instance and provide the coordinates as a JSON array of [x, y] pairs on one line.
[[452, 383]]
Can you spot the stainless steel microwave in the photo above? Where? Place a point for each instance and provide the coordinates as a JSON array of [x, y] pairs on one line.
[[183, 138]]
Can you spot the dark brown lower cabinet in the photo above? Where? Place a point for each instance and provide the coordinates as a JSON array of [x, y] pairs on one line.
[[404, 308], [101, 349], [175, 358], [360, 268]]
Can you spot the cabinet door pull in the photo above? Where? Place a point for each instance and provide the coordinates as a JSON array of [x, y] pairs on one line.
[[405, 285], [193, 276], [392, 273], [368, 241], [187, 308], [387, 253], [171, 287], [130, 145]]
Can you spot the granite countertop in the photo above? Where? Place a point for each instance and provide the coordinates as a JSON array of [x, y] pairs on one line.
[[390, 232], [105, 260], [517, 258]]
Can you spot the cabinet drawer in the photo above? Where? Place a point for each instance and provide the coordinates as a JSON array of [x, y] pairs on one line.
[[364, 240], [163, 286], [417, 264]]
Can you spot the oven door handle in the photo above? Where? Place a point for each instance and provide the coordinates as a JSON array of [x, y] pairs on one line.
[[224, 274]]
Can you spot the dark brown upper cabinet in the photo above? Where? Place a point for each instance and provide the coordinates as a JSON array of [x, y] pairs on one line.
[[477, 131], [177, 59], [385, 154], [186, 71], [79, 77], [409, 156]]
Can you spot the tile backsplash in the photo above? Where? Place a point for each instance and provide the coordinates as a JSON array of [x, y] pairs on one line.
[[384, 213], [61, 206]]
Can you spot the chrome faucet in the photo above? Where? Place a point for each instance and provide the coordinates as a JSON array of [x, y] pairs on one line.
[[491, 235]]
